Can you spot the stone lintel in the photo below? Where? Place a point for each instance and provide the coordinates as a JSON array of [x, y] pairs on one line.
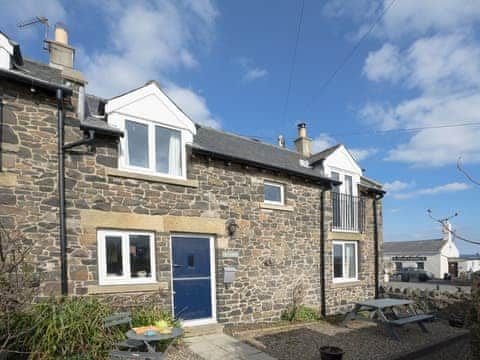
[[151, 178], [92, 220], [112, 289], [275, 207], [195, 225], [340, 235], [346, 284]]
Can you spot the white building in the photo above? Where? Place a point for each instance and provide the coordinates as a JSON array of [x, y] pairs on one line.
[[438, 256]]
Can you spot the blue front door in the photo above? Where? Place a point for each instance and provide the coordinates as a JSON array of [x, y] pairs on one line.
[[192, 297]]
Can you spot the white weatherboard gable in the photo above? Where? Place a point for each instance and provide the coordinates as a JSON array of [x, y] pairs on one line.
[[342, 162], [342, 159], [152, 104], [6, 52]]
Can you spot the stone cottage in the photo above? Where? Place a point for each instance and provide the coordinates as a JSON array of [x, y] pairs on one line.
[[128, 197]]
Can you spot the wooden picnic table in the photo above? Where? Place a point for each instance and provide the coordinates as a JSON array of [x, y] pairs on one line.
[[377, 308]]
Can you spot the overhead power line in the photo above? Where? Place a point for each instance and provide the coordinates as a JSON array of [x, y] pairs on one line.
[[294, 60], [381, 132], [446, 228], [352, 51]]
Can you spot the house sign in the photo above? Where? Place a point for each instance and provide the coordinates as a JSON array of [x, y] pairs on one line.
[[409, 258], [230, 254]]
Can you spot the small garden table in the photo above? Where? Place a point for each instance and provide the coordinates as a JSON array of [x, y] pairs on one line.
[[176, 332], [376, 308]]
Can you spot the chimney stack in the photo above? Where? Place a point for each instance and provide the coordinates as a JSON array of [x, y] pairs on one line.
[[303, 144], [62, 55], [447, 230]]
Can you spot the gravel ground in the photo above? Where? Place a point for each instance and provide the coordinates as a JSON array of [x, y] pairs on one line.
[[181, 352], [458, 351], [360, 341]]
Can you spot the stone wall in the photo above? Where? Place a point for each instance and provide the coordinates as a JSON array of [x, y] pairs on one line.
[[278, 248], [341, 296]]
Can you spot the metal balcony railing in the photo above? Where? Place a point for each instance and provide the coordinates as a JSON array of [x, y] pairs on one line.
[[348, 213]]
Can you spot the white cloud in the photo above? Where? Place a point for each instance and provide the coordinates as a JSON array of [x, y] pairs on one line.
[[406, 17], [444, 71], [250, 72], [138, 51], [361, 154], [194, 106], [384, 64], [150, 40], [254, 74], [441, 189], [322, 142], [397, 185]]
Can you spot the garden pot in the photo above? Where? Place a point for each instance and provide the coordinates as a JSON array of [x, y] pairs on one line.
[[331, 353]]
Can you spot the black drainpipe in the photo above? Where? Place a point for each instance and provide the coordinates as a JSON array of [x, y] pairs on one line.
[[323, 309], [375, 242], [61, 193], [61, 185]]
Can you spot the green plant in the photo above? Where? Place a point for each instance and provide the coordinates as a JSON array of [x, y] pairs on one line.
[[300, 313], [142, 316], [66, 327]]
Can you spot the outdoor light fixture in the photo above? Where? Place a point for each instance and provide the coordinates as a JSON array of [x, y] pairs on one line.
[[232, 227]]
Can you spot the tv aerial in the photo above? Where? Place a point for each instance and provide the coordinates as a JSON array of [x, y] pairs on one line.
[[34, 21]]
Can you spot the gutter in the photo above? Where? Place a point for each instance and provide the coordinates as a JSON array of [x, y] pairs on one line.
[[35, 82]]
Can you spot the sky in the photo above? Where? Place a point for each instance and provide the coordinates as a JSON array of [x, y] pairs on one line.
[[360, 72]]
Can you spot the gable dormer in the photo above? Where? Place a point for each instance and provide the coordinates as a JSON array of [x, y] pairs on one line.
[[156, 132], [337, 163]]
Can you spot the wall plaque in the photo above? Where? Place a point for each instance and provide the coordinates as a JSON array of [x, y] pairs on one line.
[[230, 254]]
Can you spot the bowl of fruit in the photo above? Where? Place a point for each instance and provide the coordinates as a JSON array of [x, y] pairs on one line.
[[163, 326]]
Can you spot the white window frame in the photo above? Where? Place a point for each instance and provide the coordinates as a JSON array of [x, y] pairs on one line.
[[282, 193], [125, 279], [123, 163], [344, 278]]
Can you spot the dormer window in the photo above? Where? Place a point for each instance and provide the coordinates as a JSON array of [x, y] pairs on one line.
[[150, 148], [156, 133]]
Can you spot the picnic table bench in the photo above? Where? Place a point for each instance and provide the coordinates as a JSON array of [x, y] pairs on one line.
[[377, 308]]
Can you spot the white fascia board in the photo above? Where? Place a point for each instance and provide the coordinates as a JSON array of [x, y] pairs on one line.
[[150, 103]]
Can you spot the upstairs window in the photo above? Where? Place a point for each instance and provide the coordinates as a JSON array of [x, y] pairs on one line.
[[152, 149], [273, 193]]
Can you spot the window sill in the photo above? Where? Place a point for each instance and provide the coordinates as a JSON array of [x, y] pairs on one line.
[[275, 207], [347, 283], [112, 289], [151, 178]]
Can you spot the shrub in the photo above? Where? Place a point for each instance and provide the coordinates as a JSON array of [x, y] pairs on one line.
[[300, 313], [17, 282], [66, 327], [149, 315]]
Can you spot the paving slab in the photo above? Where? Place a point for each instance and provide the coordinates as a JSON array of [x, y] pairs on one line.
[[223, 347]]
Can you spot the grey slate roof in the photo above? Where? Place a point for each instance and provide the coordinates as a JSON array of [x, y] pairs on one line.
[[418, 247], [41, 71], [322, 155], [94, 110], [207, 140], [217, 142]]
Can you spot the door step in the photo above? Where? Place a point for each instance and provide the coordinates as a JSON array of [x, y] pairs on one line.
[[200, 330]]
